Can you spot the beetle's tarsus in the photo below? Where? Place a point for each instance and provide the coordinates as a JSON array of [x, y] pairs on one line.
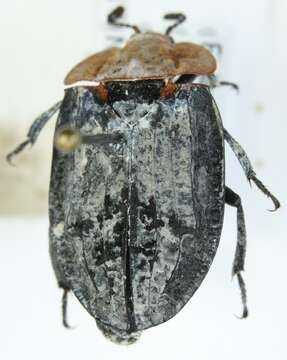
[[16, 151], [242, 287], [228, 83], [232, 199], [64, 309], [263, 188], [178, 17], [214, 82], [116, 14]]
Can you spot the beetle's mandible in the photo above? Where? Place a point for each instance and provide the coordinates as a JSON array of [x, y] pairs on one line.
[[137, 191]]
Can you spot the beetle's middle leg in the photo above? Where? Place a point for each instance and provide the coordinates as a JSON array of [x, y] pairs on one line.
[[247, 167], [214, 82], [232, 199]]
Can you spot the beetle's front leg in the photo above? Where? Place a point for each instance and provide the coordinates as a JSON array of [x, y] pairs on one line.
[[214, 82], [35, 130], [247, 167], [232, 199]]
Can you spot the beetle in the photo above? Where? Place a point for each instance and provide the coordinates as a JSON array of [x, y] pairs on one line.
[[137, 190]]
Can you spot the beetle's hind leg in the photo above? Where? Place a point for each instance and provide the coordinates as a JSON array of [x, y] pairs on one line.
[[232, 199], [63, 283], [247, 167], [61, 280], [34, 130], [65, 305]]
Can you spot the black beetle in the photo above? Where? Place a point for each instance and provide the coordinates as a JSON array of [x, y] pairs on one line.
[[137, 190]]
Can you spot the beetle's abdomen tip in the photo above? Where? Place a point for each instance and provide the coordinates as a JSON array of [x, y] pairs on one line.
[[118, 336]]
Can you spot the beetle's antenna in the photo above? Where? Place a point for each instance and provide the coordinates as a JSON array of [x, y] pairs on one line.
[[116, 14], [179, 17], [263, 188]]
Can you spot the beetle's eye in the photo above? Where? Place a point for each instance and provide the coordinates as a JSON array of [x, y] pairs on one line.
[[67, 139]]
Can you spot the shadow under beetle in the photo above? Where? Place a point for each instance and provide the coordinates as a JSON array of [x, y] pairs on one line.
[[137, 190]]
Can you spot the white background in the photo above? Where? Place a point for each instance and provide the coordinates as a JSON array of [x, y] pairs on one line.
[[40, 40]]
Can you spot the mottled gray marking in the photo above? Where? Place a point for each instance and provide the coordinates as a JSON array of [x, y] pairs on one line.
[[137, 223], [136, 210]]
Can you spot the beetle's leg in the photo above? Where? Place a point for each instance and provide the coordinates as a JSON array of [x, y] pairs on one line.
[[64, 306], [232, 199], [34, 130], [62, 282], [214, 82], [247, 167]]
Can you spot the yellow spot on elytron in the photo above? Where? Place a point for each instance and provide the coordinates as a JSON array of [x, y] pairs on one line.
[[67, 139]]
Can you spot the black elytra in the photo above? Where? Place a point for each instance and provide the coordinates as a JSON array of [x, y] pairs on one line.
[[136, 208]]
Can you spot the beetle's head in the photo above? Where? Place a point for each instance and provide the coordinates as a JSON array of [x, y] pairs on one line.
[[145, 56]]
